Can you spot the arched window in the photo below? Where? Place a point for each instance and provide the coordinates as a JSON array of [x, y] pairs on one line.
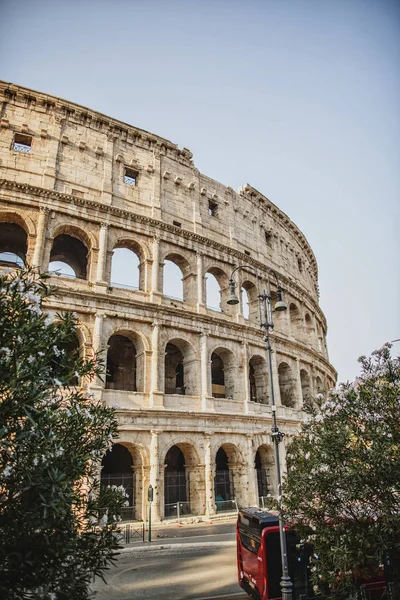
[[245, 304], [305, 386], [258, 380], [295, 322], [286, 385], [223, 483], [13, 245], [213, 292], [117, 469], [309, 329], [319, 387], [68, 257], [174, 372], [125, 267], [172, 280], [175, 484], [222, 373], [121, 364]]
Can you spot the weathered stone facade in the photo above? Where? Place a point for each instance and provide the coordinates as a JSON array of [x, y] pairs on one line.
[[75, 185]]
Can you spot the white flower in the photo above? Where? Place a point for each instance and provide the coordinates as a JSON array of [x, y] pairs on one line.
[[307, 455], [57, 382], [56, 351], [35, 462], [7, 471], [103, 521]]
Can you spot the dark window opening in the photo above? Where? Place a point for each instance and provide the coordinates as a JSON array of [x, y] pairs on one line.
[[177, 223], [217, 376], [223, 483], [70, 251], [175, 484], [22, 143], [130, 177], [174, 370], [268, 238], [13, 245], [247, 252], [117, 469], [212, 208], [121, 364]]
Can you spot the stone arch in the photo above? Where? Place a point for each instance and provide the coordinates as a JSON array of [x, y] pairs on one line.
[[264, 463], [217, 284], [223, 373], [14, 239], [181, 371], [286, 385], [71, 247], [252, 297], [258, 379], [319, 386], [127, 267], [296, 322], [181, 479], [181, 287], [122, 465], [306, 391], [125, 361], [308, 329], [229, 466]]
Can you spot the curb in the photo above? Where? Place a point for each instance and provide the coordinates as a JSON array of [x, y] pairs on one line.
[[149, 547]]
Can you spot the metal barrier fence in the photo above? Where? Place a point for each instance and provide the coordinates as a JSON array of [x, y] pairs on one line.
[[131, 531], [226, 506], [177, 510]]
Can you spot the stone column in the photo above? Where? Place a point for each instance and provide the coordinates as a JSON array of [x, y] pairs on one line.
[[101, 259], [98, 347], [200, 284], [156, 396], [208, 477], [40, 237], [155, 475], [108, 161], [205, 393], [252, 493], [155, 294], [299, 391]]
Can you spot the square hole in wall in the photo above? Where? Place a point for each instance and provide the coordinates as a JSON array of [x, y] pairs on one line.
[[268, 238], [247, 252], [177, 223], [22, 143], [212, 208], [130, 176]]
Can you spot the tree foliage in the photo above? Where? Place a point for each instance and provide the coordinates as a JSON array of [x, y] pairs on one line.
[[342, 488], [57, 529]]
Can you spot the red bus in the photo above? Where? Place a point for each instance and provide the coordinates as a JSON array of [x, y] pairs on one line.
[[259, 561]]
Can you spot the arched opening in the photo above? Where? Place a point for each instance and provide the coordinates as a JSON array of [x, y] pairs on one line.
[[174, 371], [213, 292], [125, 268], [319, 387], [250, 308], [223, 483], [245, 303], [13, 245], [264, 465], [286, 385], [222, 374], [68, 257], [258, 380], [173, 281], [295, 322], [117, 469], [121, 364], [175, 482], [309, 329], [70, 347], [305, 387]]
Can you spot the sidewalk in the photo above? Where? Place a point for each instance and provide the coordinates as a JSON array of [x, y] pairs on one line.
[[165, 536]]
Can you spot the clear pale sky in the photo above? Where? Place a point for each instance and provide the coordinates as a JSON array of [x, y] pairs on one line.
[[298, 98]]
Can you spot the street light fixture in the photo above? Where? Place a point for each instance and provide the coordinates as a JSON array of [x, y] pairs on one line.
[[266, 316]]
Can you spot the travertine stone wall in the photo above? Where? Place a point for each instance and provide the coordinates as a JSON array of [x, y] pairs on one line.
[[69, 181]]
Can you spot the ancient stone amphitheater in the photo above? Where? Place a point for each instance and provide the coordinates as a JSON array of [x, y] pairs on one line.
[[93, 198]]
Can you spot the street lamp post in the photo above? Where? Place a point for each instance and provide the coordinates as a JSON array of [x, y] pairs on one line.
[[266, 316]]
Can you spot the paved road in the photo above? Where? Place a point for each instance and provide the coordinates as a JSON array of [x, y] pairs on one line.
[[190, 573]]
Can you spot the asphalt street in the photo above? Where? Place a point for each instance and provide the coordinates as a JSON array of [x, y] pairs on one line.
[[186, 570]]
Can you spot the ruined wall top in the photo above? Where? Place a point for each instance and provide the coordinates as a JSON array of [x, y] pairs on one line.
[[77, 153]]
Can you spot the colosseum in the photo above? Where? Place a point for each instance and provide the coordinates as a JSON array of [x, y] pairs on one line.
[[95, 202]]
